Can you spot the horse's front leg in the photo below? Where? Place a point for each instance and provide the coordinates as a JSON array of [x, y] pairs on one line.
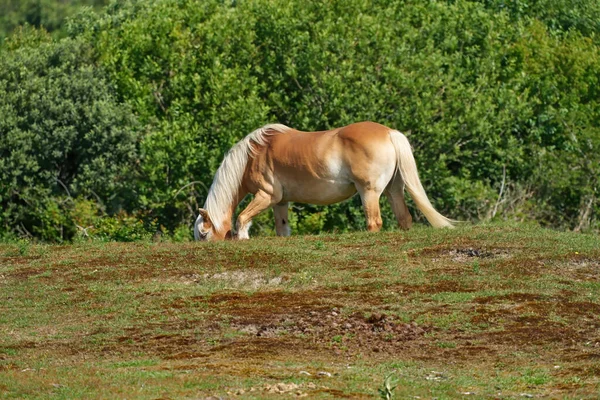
[[282, 223], [259, 203]]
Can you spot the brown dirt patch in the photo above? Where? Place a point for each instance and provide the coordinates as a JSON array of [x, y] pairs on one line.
[[9, 367], [273, 324], [466, 252], [18, 260], [357, 263], [273, 303], [554, 325], [534, 331], [24, 273], [438, 287], [511, 297], [582, 269]]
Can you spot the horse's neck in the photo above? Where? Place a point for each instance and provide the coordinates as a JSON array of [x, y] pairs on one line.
[[227, 212]]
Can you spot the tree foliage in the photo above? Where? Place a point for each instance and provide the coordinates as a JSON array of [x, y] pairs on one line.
[[500, 99], [47, 14]]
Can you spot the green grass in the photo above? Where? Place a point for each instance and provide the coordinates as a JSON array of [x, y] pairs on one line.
[[483, 310]]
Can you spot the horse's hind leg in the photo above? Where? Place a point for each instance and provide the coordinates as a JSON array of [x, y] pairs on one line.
[[259, 203], [395, 195], [282, 223], [370, 202]]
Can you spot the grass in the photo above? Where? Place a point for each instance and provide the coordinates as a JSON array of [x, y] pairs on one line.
[[481, 311]]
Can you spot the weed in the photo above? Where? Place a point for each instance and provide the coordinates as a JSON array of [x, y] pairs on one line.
[[476, 267], [390, 383], [337, 339], [319, 245], [535, 377], [446, 345]]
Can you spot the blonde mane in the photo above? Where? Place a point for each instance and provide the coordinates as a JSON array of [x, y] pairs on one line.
[[228, 177]]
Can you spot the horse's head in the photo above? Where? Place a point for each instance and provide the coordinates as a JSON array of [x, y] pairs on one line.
[[204, 230]]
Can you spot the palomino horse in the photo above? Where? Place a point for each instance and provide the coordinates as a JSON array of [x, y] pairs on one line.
[[279, 164]]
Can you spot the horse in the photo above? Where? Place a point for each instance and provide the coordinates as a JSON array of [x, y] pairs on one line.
[[279, 165]]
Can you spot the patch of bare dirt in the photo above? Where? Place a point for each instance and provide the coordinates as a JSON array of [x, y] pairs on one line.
[[535, 331], [369, 293], [9, 367], [176, 340], [563, 329], [25, 272], [582, 269], [511, 297], [358, 263], [278, 316], [247, 278], [18, 260], [465, 253], [439, 287], [272, 325]]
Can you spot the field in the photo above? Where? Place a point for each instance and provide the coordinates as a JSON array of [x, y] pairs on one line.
[[489, 311]]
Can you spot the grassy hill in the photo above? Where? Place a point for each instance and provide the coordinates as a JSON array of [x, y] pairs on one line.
[[496, 311]]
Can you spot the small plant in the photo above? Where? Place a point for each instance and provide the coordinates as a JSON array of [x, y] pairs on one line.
[[389, 385], [23, 247], [337, 339], [446, 345], [476, 267], [319, 245]]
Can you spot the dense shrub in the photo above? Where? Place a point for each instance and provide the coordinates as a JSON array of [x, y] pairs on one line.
[[63, 135], [49, 14]]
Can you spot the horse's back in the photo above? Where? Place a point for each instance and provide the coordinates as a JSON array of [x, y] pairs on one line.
[[312, 149], [364, 132], [364, 140]]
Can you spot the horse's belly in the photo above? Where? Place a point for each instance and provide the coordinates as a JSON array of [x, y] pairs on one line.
[[321, 192]]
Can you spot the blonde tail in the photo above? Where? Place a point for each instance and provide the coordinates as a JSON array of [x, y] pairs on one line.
[[408, 171]]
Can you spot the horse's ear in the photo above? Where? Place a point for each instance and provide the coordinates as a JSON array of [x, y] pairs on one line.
[[204, 214]]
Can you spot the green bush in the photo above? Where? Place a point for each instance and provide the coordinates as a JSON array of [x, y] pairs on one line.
[[93, 224], [49, 14], [64, 135]]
